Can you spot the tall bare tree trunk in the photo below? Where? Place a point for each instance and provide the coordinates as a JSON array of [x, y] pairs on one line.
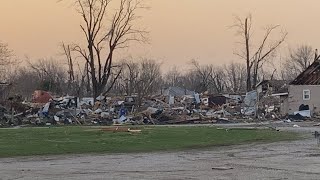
[[261, 55], [88, 78], [247, 37], [102, 43]]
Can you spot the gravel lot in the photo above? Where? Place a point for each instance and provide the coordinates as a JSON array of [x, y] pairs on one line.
[[284, 160]]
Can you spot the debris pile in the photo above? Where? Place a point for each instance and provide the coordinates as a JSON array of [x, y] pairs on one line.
[[171, 108]]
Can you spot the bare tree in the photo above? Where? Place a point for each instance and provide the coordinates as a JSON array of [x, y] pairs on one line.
[[211, 78], [43, 74], [78, 76], [218, 80], [104, 38], [302, 56], [68, 53], [149, 79], [7, 61], [192, 81], [204, 74], [142, 78], [128, 79], [173, 77], [5, 55], [235, 77], [255, 59], [51, 74], [299, 59], [25, 82]]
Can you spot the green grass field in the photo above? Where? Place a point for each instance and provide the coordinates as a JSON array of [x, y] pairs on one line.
[[76, 140]]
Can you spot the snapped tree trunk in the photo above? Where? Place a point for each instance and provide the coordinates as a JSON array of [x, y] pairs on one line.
[[247, 38]]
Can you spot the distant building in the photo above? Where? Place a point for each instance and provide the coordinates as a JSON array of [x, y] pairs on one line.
[[177, 92]]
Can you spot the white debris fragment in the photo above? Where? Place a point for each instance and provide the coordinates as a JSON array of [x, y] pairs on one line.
[[296, 126]]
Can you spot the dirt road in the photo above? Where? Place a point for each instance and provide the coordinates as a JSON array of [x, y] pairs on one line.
[[285, 160]]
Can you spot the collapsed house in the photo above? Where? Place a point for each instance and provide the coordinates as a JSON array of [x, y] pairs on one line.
[[304, 92], [174, 106], [272, 86], [273, 95]]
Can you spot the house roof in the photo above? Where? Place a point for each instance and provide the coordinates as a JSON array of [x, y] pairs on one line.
[[310, 76]]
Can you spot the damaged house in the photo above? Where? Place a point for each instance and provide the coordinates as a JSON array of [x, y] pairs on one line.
[[269, 87], [273, 95], [304, 92]]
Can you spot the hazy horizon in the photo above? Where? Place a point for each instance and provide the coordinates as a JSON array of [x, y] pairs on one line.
[[179, 31]]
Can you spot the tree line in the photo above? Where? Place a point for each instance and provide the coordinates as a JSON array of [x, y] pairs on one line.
[[92, 68], [145, 77]]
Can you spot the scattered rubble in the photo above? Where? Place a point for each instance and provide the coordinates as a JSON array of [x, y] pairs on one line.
[[173, 108]]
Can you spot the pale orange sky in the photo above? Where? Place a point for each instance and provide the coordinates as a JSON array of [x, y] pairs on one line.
[[180, 30]]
